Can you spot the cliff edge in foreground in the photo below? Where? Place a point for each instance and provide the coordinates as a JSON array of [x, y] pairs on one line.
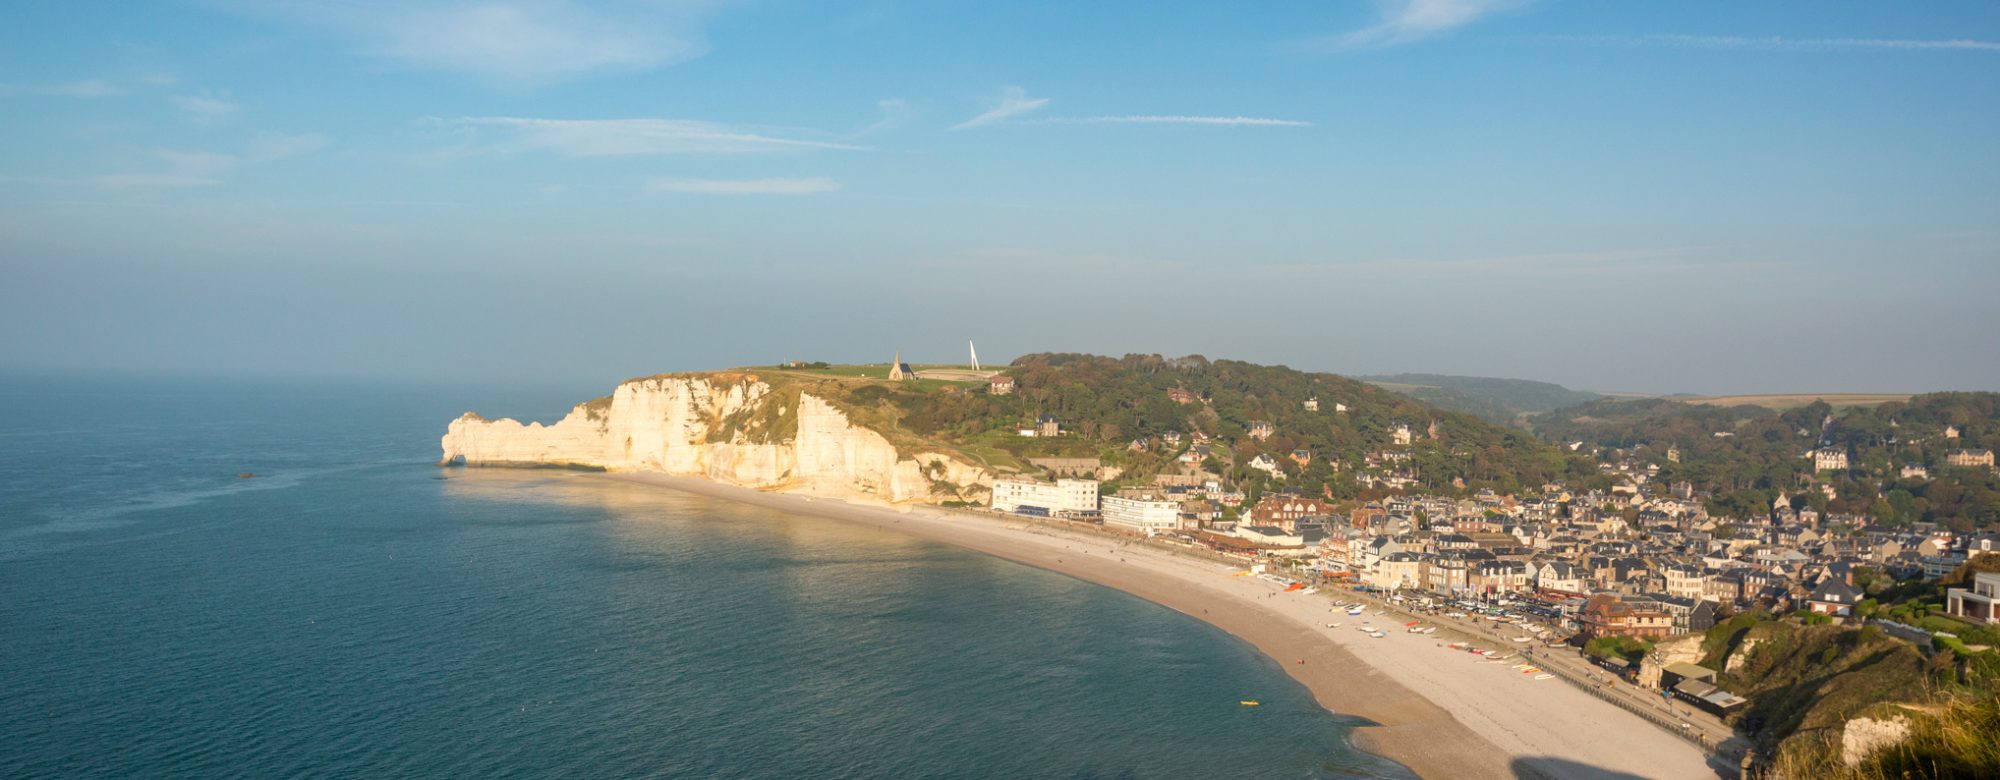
[[732, 428]]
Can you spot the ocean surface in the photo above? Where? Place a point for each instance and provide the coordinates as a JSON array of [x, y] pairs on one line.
[[354, 611]]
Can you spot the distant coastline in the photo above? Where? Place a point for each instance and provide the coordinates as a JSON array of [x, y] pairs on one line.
[[1460, 724]]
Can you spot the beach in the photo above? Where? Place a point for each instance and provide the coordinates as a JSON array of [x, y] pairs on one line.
[[1441, 712]]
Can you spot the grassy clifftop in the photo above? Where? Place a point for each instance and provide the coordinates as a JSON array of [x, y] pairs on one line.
[[1139, 412]]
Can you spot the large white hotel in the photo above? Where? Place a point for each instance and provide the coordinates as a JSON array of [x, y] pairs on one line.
[[1061, 497], [1147, 517]]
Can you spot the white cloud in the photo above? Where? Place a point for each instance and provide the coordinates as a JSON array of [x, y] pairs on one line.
[[611, 137], [743, 186], [1014, 101], [1776, 43], [1157, 119], [526, 41], [205, 108], [93, 88], [1406, 21]]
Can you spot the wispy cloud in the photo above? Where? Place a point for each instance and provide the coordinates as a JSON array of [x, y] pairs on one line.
[[94, 88], [894, 113], [1014, 102], [1615, 264], [1174, 119], [614, 137], [1408, 21], [178, 169], [182, 169], [1777, 43], [270, 148], [743, 186], [205, 108], [523, 41]]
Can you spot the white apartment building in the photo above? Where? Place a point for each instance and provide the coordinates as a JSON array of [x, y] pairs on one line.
[[1980, 603], [1134, 514], [1061, 497]]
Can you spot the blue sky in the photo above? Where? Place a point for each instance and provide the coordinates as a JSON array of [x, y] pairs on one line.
[[1701, 197]]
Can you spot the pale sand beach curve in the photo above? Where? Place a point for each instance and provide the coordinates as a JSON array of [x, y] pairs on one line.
[[1442, 713]]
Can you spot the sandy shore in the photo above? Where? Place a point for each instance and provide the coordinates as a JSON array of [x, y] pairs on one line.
[[1443, 713]]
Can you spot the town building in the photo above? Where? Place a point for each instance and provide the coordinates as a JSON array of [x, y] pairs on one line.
[[1607, 614], [1141, 515], [1967, 459], [1063, 497], [1286, 511], [1000, 384], [1981, 602], [1559, 577], [1829, 459], [1833, 597]]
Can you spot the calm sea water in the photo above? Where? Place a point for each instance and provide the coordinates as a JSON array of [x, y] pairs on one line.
[[356, 612]]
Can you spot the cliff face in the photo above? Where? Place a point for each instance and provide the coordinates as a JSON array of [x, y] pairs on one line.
[[736, 430]]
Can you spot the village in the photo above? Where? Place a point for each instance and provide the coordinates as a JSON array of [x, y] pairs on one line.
[[1639, 564]]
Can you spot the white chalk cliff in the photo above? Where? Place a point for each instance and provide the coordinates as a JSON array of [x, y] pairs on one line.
[[731, 429]]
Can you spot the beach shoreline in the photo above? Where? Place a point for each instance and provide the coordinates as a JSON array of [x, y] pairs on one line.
[[1436, 711]]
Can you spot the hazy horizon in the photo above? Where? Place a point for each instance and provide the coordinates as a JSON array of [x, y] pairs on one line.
[[1704, 198]]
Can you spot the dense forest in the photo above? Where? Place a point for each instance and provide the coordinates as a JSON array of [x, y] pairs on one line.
[[1746, 455], [1503, 401]]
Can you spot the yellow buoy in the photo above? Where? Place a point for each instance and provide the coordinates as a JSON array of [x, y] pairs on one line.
[[1247, 703]]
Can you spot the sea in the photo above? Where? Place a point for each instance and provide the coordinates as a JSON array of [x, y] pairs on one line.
[[355, 611]]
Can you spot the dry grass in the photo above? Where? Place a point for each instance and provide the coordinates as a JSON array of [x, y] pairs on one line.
[[1782, 401], [1959, 737]]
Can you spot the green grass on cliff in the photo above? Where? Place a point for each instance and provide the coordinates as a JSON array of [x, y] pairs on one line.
[[1805, 682], [1105, 404]]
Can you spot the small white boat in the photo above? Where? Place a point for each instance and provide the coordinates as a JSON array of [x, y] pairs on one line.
[[1379, 612], [1310, 591], [1430, 629], [1333, 625], [1543, 676], [1355, 611], [1379, 634]]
